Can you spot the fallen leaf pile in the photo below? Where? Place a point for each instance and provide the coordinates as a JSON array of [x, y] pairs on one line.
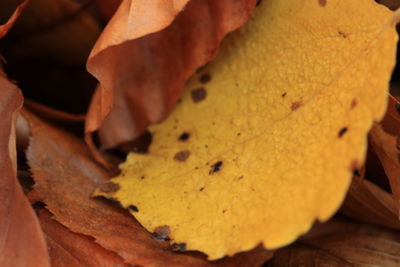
[[199, 133]]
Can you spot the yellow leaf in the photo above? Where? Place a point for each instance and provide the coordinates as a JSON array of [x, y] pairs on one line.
[[266, 138]]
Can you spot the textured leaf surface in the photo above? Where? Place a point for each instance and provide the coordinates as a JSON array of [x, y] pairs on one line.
[[146, 54], [367, 202], [66, 175], [266, 137], [342, 243], [74, 250], [21, 239], [385, 146]]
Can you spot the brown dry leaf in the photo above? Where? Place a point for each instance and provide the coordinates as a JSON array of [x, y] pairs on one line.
[[72, 250], [386, 147], [7, 26], [21, 239], [52, 114], [392, 4], [56, 29], [47, 49], [145, 64], [108, 7], [66, 176], [367, 202], [391, 121], [342, 243]]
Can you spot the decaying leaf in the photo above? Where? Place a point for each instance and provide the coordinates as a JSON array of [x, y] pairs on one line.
[[66, 175], [267, 137], [21, 239], [384, 140], [51, 114], [145, 64], [57, 29], [7, 26], [72, 250], [385, 146], [367, 202], [392, 4], [108, 7], [391, 121], [342, 243], [47, 49]]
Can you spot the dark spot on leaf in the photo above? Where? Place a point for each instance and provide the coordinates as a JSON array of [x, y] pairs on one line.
[[355, 168], [161, 233], [223, 211], [353, 103], [206, 146], [109, 187], [205, 78], [199, 94], [240, 177], [184, 137], [142, 177], [398, 107], [182, 155], [296, 105], [322, 3], [201, 189], [142, 143], [342, 131], [342, 34], [178, 247], [238, 134], [356, 172], [200, 69], [258, 2], [216, 167], [133, 208], [284, 94]]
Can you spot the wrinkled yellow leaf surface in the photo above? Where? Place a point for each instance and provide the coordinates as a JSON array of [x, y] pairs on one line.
[[266, 138]]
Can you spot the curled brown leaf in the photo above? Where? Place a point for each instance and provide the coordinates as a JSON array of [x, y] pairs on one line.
[[144, 57], [21, 239], [8, 25]]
